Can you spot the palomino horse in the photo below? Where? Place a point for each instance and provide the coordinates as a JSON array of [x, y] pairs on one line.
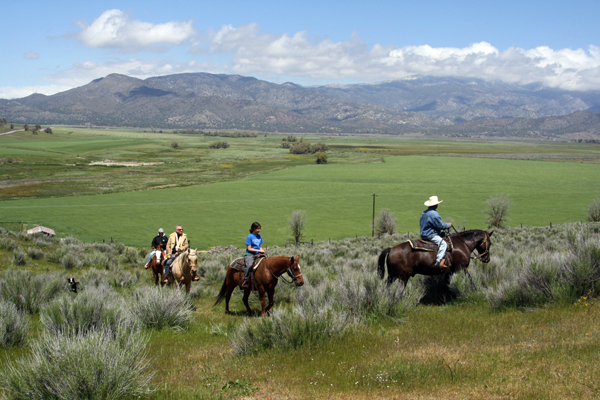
[[181, 269], [156, 264], [266, 276], [403, 262]]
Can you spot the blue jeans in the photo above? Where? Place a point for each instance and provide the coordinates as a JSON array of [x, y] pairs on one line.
[[150, 256], [168, 264], [442, 246]]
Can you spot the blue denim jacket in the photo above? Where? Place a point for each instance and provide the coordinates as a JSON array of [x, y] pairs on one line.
[[431, 223]]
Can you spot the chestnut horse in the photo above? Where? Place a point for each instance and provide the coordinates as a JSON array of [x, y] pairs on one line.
[[404, 262], [156, 264], [266, 276]]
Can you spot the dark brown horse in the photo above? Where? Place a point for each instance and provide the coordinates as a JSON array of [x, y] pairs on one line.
[[156, 264], [404, 262], [266, 277]]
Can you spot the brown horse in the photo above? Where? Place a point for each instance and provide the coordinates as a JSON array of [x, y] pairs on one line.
[[156, 264], [266, 276], [403, 262]]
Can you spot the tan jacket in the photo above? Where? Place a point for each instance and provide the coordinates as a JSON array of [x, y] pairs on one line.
[[183, 243]]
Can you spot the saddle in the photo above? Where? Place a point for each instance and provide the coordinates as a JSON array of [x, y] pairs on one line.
[[426, 245], [239, 264]]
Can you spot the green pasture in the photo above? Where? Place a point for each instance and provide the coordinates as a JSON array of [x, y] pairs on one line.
[[337, 200]]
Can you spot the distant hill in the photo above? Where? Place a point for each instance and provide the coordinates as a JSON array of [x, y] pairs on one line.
[[424, 105]]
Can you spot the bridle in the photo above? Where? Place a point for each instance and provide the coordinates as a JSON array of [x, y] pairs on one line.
[[289, 271], [486, 241]]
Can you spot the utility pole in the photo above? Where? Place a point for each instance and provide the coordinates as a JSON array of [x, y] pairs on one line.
[[373, 222]]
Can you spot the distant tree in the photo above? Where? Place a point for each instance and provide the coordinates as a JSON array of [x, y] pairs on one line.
[[26, 127], [48, 130], [297, 222], [38, 127], [319, 147], [300, 148], [497, 211], [321, 157], [594, 211], [385, 223], [219, 145], [285, 145], [12, 126], [175, 145], [2, 121]]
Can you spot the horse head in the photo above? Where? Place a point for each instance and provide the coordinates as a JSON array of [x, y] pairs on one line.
[[483, 247], [295, 272], [193, 257]]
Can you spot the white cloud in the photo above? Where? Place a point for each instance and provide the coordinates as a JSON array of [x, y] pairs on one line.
[[31, 56], [12, 92], [307, 59], [115, 29]]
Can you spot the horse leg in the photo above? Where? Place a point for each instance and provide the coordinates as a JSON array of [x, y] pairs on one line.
[[470, 280], [263, 303], [230, 287], [245, 300], [270, 293]]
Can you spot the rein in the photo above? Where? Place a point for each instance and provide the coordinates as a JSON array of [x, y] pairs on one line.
[[289, 271]]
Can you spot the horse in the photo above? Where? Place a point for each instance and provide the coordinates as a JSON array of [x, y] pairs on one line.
[[156, 264], [404, 262], [182, 267], [266, 277]]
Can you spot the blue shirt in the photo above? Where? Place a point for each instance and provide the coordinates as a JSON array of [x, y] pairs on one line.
[[431, 223], [254, 241]]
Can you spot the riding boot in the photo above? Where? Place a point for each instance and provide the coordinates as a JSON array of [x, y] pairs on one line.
[[444, 266]]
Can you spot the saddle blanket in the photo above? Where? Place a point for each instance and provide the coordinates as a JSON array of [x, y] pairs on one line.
[[238, 264]]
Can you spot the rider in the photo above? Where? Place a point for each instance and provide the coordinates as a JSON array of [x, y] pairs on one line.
[[431, 228], [254, 248], [158, 239], [176, 244]]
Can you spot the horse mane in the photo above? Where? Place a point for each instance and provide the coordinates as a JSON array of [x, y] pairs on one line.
[[472, 234]]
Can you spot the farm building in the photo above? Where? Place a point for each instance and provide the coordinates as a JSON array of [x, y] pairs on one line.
[[41, 229]]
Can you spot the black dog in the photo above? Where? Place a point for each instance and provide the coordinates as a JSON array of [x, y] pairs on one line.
[[73, 285]]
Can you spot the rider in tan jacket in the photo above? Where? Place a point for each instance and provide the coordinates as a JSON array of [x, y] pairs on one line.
[[177, 244]]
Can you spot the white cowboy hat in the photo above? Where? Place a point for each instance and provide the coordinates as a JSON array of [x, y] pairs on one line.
[[433, 200]]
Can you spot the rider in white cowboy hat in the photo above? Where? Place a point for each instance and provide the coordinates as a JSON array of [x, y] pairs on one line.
[[431, 227]]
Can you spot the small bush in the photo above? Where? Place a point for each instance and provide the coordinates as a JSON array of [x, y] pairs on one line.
[[321, 157], [297, 221], [29, 292], [13, 325], [71, 261], [219, 145], [131, 256], [385, 223], [175, 145], [158, 308], [497, 211], [96, 366], [35, 253], [19, 256], [91, 310], [7, 244], [594, 211]]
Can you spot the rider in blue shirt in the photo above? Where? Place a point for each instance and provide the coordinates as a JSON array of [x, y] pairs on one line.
[[431, 228], [254, 248]]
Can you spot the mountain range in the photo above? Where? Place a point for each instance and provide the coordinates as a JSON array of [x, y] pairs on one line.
[[418, 105]]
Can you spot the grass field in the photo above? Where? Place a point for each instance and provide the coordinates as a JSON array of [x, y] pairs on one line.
[[55, 181]]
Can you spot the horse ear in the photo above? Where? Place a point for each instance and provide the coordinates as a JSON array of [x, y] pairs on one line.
[[490, 232]]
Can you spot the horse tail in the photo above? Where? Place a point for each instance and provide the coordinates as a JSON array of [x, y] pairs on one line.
[[381, 262], [221, 294]]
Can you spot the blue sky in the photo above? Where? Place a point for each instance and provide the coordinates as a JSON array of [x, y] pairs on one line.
[[52, 46]]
